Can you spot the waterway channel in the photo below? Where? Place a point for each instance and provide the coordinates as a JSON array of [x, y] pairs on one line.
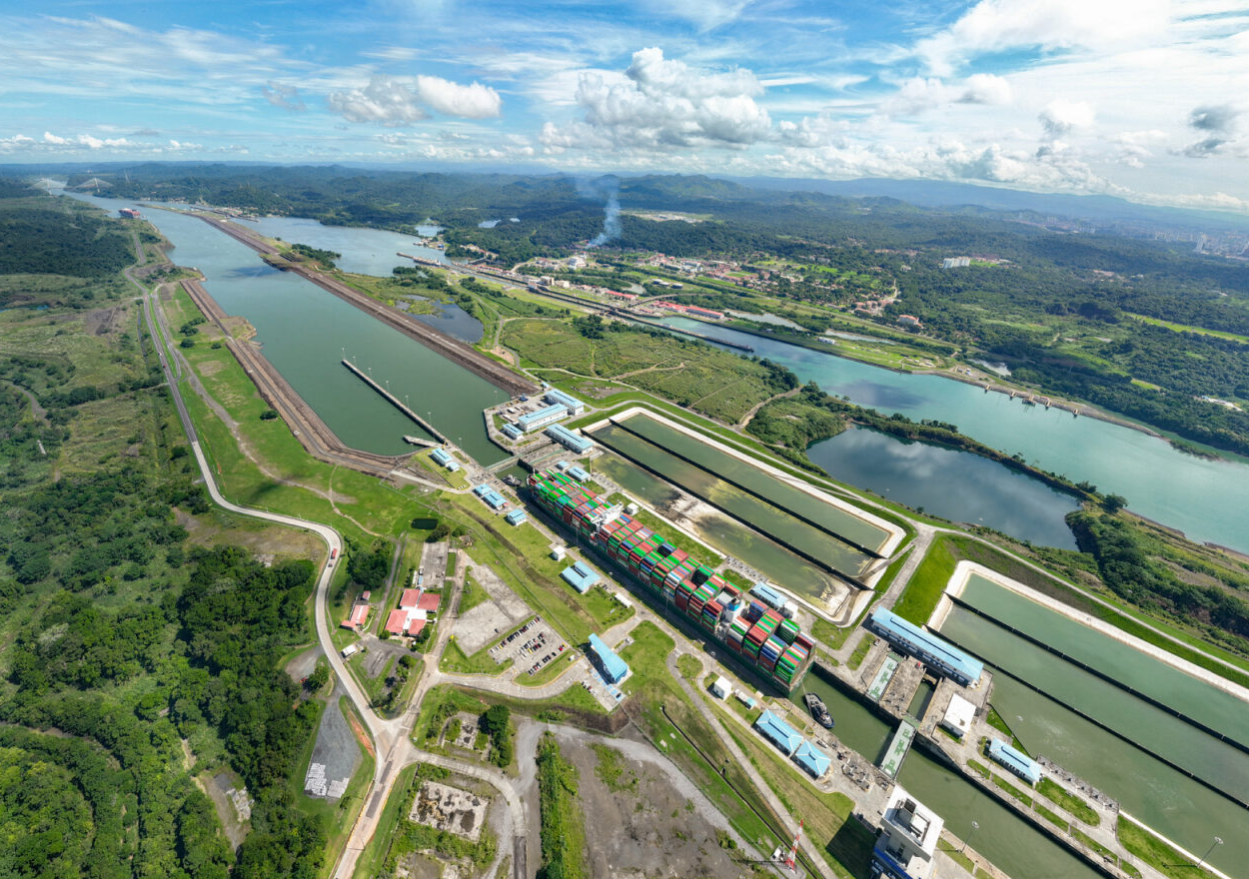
[[1204, 498], [1008, 841], [1145, 787], [305, 332]]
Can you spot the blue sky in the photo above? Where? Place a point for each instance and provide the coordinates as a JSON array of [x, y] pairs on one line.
[[1144, 99]]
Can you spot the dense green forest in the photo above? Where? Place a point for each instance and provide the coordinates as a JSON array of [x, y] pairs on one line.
[[42, 236], [122, 642]]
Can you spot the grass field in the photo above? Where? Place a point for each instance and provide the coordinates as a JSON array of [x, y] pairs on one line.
[[480, 663], [1069, 802], [923, 592], [1188, 328], [1157, 853]]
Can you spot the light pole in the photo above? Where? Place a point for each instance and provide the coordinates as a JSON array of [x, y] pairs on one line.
[[1217, 842], [974, 827]]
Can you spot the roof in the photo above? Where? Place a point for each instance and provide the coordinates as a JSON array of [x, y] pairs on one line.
[[580, 576], [359, 614], [778, 732], [410, 598], [767, 594], [615, 667], [559, 433], [723, 684], [566, 400], [960, 713], [578, 474], [1016, 761], [812, 759], [890, 623], [440, 455], [429, 601], [397, 622], [516, 516], [547, 412]]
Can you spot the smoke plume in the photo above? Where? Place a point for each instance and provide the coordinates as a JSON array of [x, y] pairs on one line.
[[611, 221]]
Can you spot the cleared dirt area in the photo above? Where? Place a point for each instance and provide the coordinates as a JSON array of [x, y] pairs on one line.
[[503, 611], [232, 803], [334, 757], [448, 808], [639, 825]]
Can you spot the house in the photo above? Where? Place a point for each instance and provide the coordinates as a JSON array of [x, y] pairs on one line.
[[405, 622], [909, 321], [356, 619]]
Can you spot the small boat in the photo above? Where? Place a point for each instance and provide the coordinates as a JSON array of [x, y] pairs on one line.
[[818, 710], [511, 480]]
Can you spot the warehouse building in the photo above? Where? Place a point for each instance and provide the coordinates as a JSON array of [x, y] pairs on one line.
[[493, 499], [580, 577], [1016, 761], [511, 431], [517, 517], [541, 418], [936, 653], [568, 439], [559, 398], [812, 759], [778, 732], [613, 668]]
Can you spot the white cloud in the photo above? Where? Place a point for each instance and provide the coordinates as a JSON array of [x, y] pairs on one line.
[[285, 96], [402, 100], [1002, 25], [88, 143], [1062, 117], [920, 94], [664, 104], [706, 14]]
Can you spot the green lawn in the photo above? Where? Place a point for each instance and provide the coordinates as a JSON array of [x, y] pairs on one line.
[[1073, 804], [1157, 853], [923, 592], [860, 652], [473, 595], [1188, 328], [481, 663]]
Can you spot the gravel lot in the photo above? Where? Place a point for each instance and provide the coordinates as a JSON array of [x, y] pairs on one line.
[[503, 611], [336, 753]]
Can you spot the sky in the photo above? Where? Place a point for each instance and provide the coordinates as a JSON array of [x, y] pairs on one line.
[[1142, 99]]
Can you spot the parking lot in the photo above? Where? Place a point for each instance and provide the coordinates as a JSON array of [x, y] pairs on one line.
[[532, 647]]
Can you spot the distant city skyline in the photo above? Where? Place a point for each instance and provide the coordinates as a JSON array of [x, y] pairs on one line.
[[1140, 99]]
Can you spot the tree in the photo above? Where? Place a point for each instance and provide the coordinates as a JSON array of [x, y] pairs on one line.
[[1113, 503]]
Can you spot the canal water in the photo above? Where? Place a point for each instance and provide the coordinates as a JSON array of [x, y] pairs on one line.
[[364, 251], [1164, 798], [765, 517], [1005, 839], [1207, 704], [305, 332], [781, 494], [728, 536], [1204, 498], [921, 475]]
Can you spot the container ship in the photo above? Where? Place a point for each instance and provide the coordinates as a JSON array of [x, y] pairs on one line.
[[757, 635]]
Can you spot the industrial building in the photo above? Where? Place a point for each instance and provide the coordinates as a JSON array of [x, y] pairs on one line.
[[812, 759], [569, 402], [517, 517], [936, 653], [511, 431], [568, 439], [443, 458], [580, 577], [775, 600], [578, 474], [541, 418], [493, 499], [909, 831], [959, 716], [613, 668], [778, 732], [721, 687], [1016, 761]]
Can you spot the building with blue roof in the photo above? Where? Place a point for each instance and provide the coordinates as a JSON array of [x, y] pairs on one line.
[[936, 653], [1016, 761], [580, 576], [511, 431], [569, 402], [578, 474], [493, 499], [613, 668], [541, 418], [812, 759], [440, 456], [517, 517], [568, 439], [778, 732]]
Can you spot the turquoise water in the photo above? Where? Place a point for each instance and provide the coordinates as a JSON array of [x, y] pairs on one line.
[[1204, 498]]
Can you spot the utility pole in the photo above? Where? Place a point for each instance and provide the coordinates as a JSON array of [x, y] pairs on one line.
[[1217, 842]]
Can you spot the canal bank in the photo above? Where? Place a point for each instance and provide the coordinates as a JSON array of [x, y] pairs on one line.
[[1201, 497], [305, 333]]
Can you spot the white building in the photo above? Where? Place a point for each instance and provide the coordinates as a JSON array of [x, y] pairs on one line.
[[909, 831], [722, 687], [959, 716], [349, 651], [558, 553]]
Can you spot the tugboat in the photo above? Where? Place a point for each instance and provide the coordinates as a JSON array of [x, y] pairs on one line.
[[511, 480], [818, 710]]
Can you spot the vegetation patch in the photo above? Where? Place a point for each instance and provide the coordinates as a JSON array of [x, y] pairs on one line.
[[860, 652], [1068, 801], [563, 824], [927, 585]]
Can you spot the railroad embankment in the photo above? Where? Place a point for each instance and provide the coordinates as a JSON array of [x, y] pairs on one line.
[[448, 346]]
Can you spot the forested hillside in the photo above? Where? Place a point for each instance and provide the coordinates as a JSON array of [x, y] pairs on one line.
[[128, 650]]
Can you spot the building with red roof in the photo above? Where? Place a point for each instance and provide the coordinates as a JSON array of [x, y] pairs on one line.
[[410, 598], [428, 602]]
